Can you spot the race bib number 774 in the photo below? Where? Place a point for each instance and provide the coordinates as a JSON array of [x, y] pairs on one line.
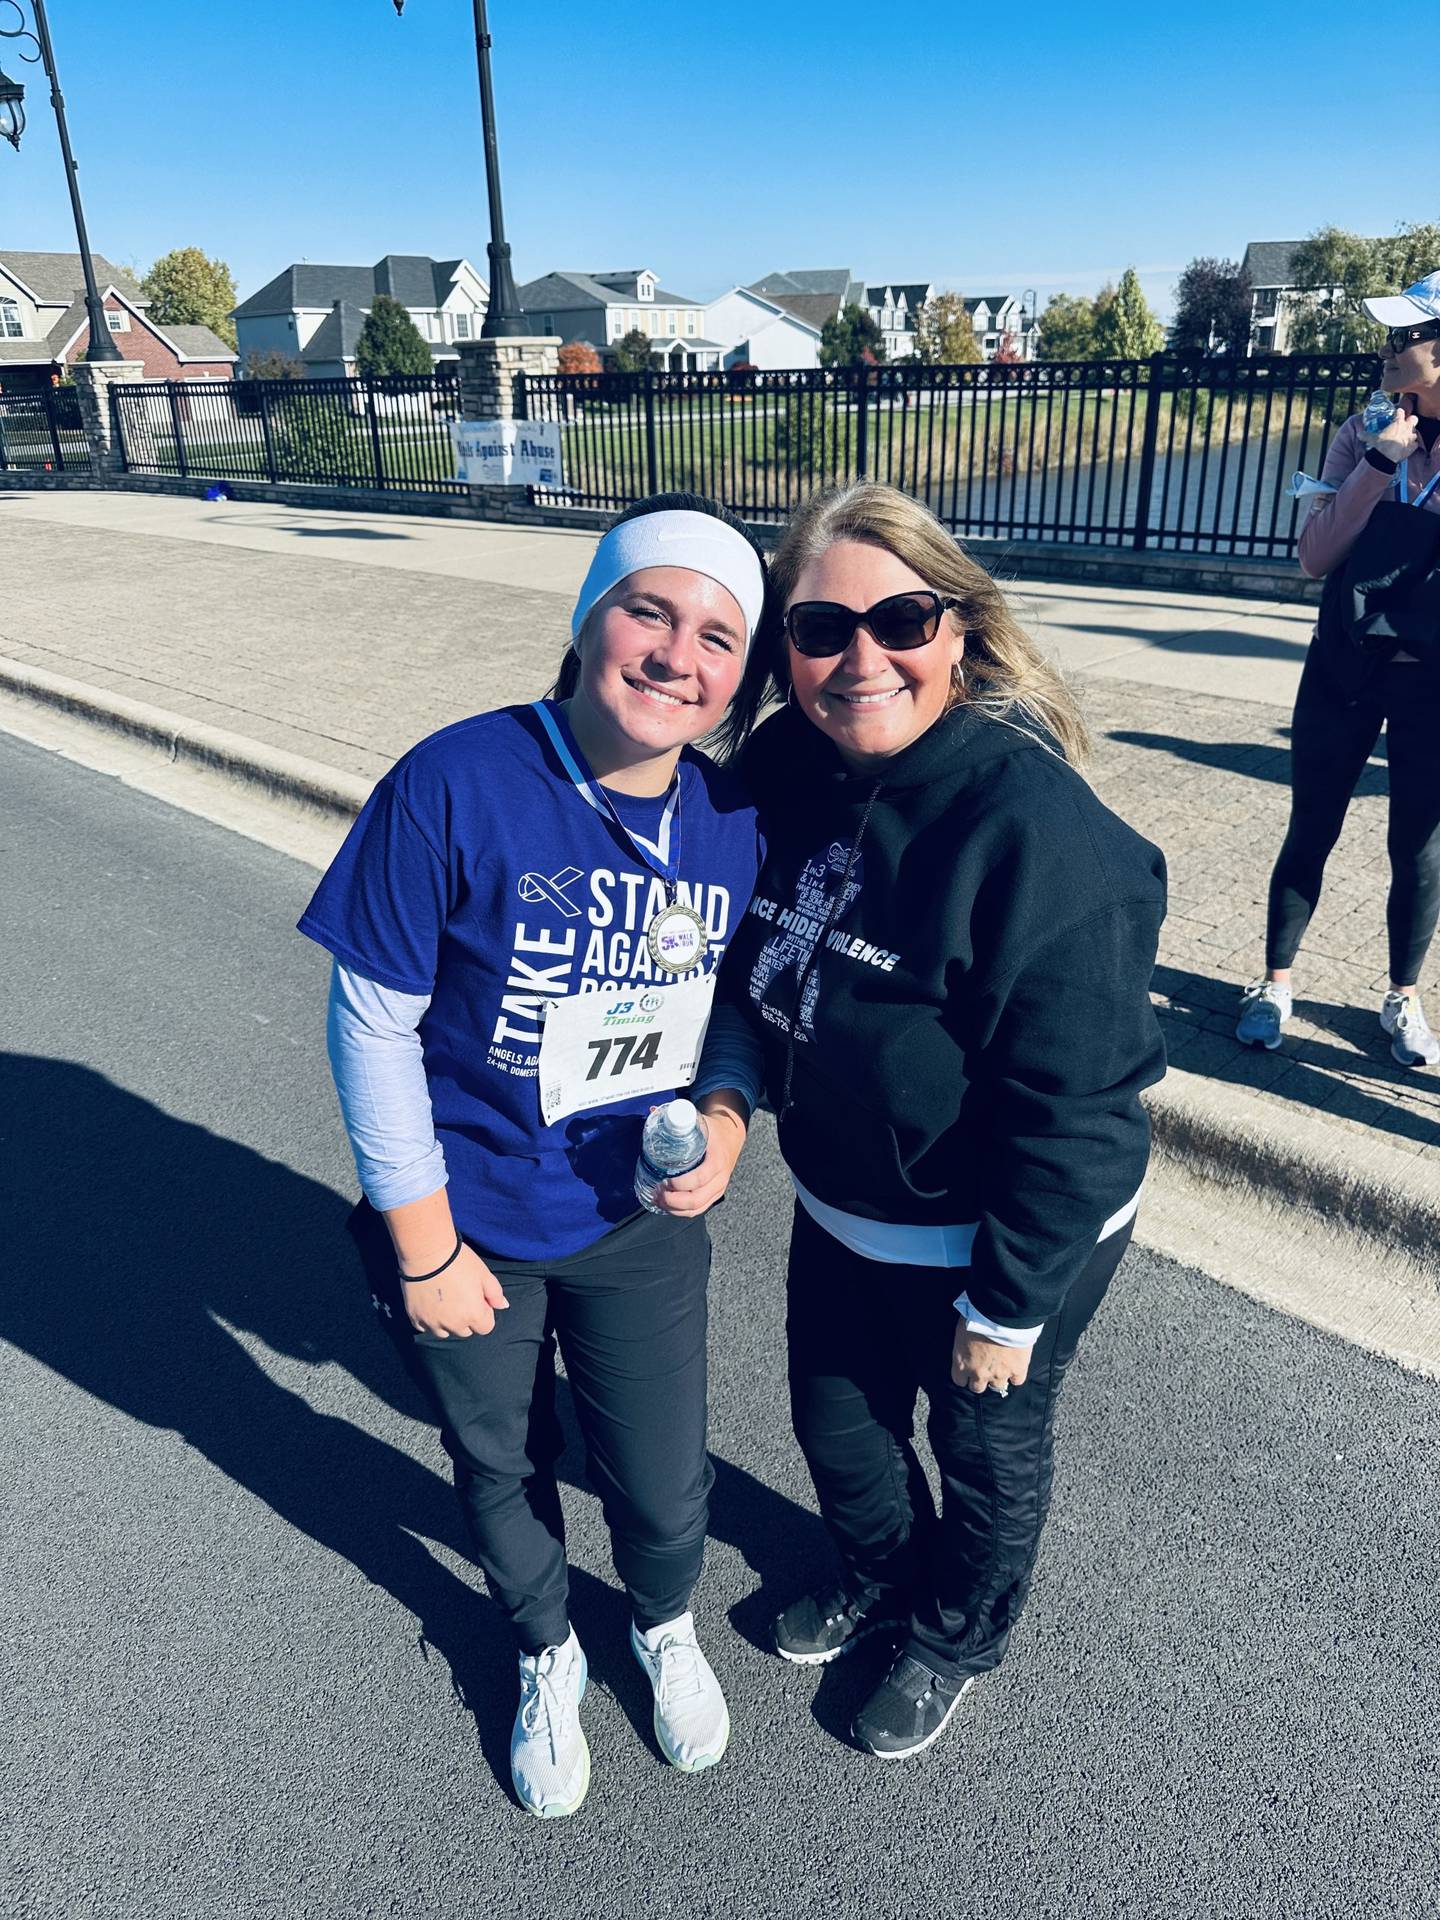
[[597, 1049]]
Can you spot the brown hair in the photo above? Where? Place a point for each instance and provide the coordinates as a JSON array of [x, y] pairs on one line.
[[1006, 675]]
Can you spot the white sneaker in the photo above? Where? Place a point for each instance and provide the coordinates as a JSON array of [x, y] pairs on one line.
[[692, 1722], [1265, 1006], [549, 1757], [1412, 1044]]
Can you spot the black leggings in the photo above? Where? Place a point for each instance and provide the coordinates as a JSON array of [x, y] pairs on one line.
[[1331, 739], [865, 1341], [629, 1314]]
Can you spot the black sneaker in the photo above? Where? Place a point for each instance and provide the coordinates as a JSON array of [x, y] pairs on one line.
[[908, 1710], [821, 1626]]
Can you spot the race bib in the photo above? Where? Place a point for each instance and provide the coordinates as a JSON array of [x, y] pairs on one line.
[[600, 1048]]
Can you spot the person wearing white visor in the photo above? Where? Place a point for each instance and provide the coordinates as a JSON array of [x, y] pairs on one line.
[[525, 923], [1373, 663]]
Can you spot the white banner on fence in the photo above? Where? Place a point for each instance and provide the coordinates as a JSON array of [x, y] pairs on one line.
[[499, 453]]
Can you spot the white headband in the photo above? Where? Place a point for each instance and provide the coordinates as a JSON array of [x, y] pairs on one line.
[[676, 539]]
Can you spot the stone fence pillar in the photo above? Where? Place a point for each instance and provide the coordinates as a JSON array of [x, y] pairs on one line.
[[492, 374], [93, 381]]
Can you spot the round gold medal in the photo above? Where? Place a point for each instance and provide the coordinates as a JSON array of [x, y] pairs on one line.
[[677, 938]]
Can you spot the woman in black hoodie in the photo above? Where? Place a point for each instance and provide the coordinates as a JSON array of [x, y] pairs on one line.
[[941, 988]]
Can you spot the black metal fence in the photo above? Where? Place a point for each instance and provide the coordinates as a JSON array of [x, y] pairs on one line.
[[337, 433], [43, 431], [1181, 455], [1189, 456]]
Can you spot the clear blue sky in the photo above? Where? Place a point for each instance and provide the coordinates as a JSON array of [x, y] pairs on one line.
[[984, 147]]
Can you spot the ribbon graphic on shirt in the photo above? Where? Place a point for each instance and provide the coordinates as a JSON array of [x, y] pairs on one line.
[[535, 886]]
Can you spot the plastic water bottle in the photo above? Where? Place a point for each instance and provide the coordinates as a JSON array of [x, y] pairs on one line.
[[673, 1142], [1379, 412]]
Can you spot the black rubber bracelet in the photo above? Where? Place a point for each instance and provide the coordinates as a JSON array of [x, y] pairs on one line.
[[414, 1279]]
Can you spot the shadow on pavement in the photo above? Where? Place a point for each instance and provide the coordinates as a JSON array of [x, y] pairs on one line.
[[170, 1236], [1271, 764], [1223, 642], [1320, 1072], [345, 533]]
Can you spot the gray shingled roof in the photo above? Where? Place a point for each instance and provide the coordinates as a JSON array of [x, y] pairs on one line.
[[1267, 262], [197, 343], [414, 279], [813, 308], [837, 280], [914, 291], [563, 291], [336, 336], [58, 276], [25, 353]]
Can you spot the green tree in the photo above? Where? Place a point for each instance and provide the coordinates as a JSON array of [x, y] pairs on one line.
[[1212, 308], [273, 365], [1408, 255], [632, 353], [847, 336], [390, 342], [1335, 270], [186, 288], [945, 333], [1067, 328], [1125, 328]]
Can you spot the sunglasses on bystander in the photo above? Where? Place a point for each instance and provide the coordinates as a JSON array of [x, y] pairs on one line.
[[901, 621], [1399, 338]]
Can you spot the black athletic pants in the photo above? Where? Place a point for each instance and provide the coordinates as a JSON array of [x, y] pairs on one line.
[[629, 1314], [1332, 737], [865, 1339]]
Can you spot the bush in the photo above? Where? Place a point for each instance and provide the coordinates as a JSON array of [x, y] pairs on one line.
[[578, 356]]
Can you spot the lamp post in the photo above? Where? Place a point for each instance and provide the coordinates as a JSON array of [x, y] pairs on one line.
[[1026, 339], [12, 125], [503, 318]]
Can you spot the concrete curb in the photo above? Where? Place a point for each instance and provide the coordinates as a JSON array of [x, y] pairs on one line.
[[1226, 1140], [1230, 1138], [276, 774]]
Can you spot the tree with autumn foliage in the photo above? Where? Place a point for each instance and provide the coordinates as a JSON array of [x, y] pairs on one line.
[[945, 332], [578, 356]]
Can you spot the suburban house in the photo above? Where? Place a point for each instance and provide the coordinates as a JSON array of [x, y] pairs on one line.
[[1275, 300], [601, 308], [893, 307], [996, 315], [44, 327], [812, 294], [760, 332], [314, 313]]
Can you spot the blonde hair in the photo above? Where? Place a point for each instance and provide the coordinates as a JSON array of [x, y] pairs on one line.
[[1005, 674]]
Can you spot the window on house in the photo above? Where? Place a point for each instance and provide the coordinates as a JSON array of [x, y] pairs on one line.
[[117, 322], [462, 326], [646, 290], [690, 320], [992, 341], [10, 327], [549, 323], [670, 326]]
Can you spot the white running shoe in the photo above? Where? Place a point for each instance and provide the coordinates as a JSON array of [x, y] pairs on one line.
[[549, 1757], [1412, 1042], [1265, 1006], [692, 1722]]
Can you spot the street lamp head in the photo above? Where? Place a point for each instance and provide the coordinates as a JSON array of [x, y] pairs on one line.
[[400, 7], [12, 110]]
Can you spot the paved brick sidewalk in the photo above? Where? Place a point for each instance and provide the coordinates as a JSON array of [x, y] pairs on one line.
[[350, 664]]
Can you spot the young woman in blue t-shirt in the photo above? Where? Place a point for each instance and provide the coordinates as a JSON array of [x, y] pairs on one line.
[[525, 922]]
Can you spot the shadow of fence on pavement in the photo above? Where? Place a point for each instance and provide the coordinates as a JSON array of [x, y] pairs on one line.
[[171, 1236]]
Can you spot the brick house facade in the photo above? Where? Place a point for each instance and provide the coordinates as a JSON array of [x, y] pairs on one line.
[[45, 329]]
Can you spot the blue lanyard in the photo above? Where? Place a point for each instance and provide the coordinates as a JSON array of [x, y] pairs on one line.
[[655, 854], [1402, 486]]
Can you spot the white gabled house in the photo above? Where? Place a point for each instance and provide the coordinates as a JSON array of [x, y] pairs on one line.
[[314, 313], [758, 330]]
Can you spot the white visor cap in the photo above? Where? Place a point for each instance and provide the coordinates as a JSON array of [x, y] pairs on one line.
[[676, 538], [1412, 308]]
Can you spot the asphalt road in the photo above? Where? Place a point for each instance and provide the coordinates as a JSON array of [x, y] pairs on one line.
[[247, 1670]]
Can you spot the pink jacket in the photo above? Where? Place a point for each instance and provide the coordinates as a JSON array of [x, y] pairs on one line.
[[1337, 518]]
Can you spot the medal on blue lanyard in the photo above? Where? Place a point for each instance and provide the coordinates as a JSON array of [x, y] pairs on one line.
[[1402, 486], [676, 936]]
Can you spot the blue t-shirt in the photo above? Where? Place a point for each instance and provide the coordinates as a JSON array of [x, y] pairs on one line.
[[482, 873]]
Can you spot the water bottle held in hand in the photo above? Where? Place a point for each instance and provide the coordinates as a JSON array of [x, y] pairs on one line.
[[1379, 411], [673, 1142]]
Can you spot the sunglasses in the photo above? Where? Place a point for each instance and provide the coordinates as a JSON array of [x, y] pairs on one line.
[[1399, 338], [901, 621]]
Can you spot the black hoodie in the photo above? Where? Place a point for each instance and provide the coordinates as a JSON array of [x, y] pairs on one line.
[[947, 960]]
